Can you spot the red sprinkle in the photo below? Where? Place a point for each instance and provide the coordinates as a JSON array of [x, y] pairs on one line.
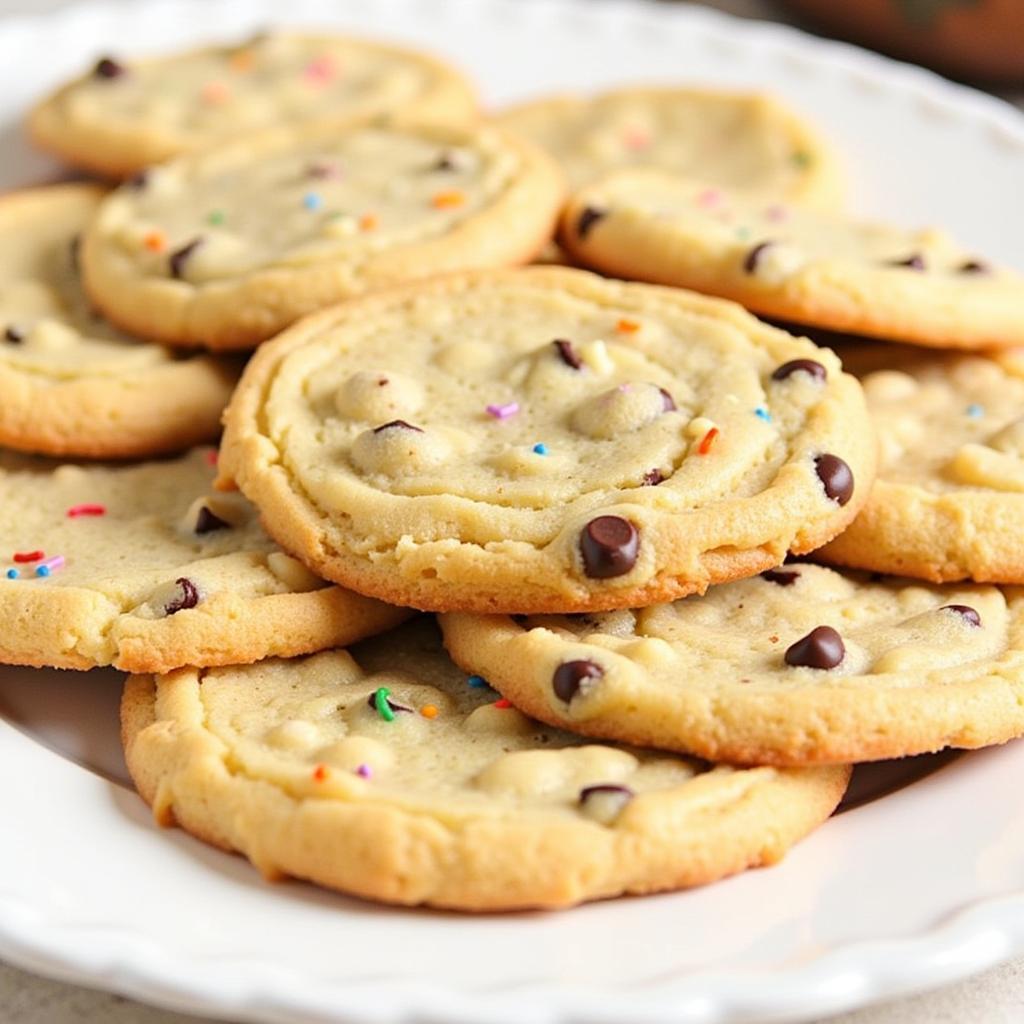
[[86, 510], [503, 703], [29, 556], [320, 772], [211, 457], [707, 441]]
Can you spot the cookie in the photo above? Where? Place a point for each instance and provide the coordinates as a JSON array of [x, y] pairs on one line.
[[545, 440], [120, 116], [949, 500], [386, 774], [801, 665], [143, 568], [70, 383], [795, 263], [225, 248], [744, 140]]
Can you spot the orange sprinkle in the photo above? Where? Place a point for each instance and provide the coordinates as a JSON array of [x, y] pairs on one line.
[[214, 92], [241, 61], [368, 221], [446, 200], [428, 711], [625, 326], [155, 241], [320, 772], [707, 441]]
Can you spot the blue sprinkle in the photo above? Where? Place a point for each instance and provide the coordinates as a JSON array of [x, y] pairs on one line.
[[540, 449], [763, 414], [43, 570], [477, 682], [975, 411], [13, 574], [312, 201]]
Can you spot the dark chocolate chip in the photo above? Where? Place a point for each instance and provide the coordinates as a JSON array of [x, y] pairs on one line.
[[609, 545], [15, 335], [138, 181], [588, 218], [400, 424], [567, 353], [606, 787], [207, 522], [178, 258], [915, 261], [653, 477], [782, 577], [836, 477], [604, 802], [754, 256], [969, 614], [974, 267], [394, 705], [668, 403], [822, 648], [107, 67], [570, 675], [189, 597], [808, 366]]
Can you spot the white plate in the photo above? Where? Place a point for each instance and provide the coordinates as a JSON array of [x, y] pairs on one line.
[[902, 892]]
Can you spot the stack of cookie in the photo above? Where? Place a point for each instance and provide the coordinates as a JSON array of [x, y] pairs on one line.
[[623, 499]]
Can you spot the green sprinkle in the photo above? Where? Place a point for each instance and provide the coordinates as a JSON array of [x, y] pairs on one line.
[[380, 702], [743, 233], [216, 217], [801, 158]]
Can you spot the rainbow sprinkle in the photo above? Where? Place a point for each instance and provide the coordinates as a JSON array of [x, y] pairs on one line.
[[380, 702], [502, 412], [47, 566], [320, 772], [86, 509], [319, 70], [13, 574], [312, 201], [364, 771], [707, 441], [428, 711], [29, 556], [477, 682], [503, 703], [975, 411], [709, 198], [215, 217], [540, 448], [763, 414]]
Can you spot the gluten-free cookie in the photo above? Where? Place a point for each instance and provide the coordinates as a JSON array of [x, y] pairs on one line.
[[70, 383], [387, 774], [795, 263], [545, 440], [227, 247], [125, 114], [144, 568], [801, 665], [949, 500], [744, 140]]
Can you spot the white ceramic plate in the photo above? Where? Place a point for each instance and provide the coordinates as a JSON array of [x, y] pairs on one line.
[[905, 890]]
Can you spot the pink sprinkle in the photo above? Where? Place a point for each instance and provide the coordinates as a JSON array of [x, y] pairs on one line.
[[86, 510], [47, 566], [502, 412], [320, 70], [364, 771], [325, 169], [776, 213], [636, 138], [709, 198]]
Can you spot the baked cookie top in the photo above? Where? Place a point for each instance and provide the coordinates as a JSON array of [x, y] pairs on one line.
[[543, 439], [124, 115], [388, 774], [227, 247], [142, 567], [71, 383], [793, 262], [801, 665], [949, 501], [745, 140]]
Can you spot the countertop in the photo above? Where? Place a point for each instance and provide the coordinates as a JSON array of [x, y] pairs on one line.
[[995, 997]]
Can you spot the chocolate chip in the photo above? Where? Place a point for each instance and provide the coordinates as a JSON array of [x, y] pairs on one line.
[[107, 67], [836, 477], [394, 705], [445, 162], [915, 261], [974, 267], [782, 577], [400, 424], [207, 522], [604, 803], [178, 258], [588, 791], [567, 353], [754, 256], [588, 218], [667, 401], [808, 366], [138, 181], [15, 335], [189, 597], [969, 614], [822, 648], [653, 477], [570, 675], [609, 545]]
